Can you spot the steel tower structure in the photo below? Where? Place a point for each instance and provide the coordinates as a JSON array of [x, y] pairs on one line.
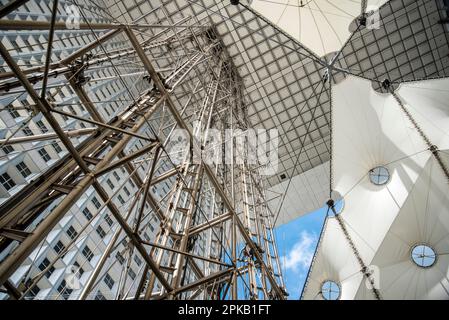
[[213, 237]]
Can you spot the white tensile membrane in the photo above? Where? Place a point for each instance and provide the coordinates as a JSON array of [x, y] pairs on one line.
[[334, 261], [370, 130], [428, 102], [306, 193], [320, 25], [422, 220]]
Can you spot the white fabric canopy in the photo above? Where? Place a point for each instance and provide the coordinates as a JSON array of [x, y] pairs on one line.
[[307, 192], [321, 25], [371, 130], [423, 219], [428, 102], [333, 263]]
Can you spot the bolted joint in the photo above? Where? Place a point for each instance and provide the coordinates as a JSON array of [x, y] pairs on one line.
[[78, 67], [284, 292], [433, 149], [325, 77], [330, 203], [386, 84], [235, 2], [362, 20], [147, 78]]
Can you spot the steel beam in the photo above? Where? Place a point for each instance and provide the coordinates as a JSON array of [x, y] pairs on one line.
[[11, 6], [49, 47], [46, 136], [61, 25]]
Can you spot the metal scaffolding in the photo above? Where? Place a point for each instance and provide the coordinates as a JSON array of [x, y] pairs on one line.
[[215, 238]]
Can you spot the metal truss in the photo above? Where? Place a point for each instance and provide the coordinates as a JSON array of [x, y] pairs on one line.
[[224, 205]]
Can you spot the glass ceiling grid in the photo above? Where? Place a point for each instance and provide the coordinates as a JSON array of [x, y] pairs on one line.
[[408, 38]]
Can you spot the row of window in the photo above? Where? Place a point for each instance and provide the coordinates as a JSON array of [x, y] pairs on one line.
[[45, 266], [8, 182], [66, 291], [60, 41], [5, 178], [44, 154], [59, 247]]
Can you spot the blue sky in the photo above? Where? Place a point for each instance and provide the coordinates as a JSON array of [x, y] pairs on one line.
[[297, 241]]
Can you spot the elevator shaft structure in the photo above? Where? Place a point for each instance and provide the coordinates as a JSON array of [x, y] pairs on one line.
[[211, 228]]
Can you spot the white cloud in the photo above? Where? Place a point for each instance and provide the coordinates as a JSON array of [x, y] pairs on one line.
[[300, 256]]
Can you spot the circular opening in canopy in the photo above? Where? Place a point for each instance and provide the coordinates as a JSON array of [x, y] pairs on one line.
[[379, 176], [423, 256], [330, 290], [339, 205]]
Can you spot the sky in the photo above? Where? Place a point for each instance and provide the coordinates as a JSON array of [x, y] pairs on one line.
[[297, 241]]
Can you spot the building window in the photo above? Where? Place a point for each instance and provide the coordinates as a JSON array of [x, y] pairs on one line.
[[33, 291], [126, 191], [379, 176], [42, 126], [108, 220], [71, 232], [13, 112], [87, 214], [110, 184], [59, 247], [87, 253], [64, 290], [423, 256], [330, 290], [7, 149], [23, 169], [99, 296], [56, 146], [7, 181], [101, 232], [119, 257], [27, 131], [96, 203], [44, 264], [109, 281], [132, 274], [45, 156], [116, 176], [120, 198], [137, 260]]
